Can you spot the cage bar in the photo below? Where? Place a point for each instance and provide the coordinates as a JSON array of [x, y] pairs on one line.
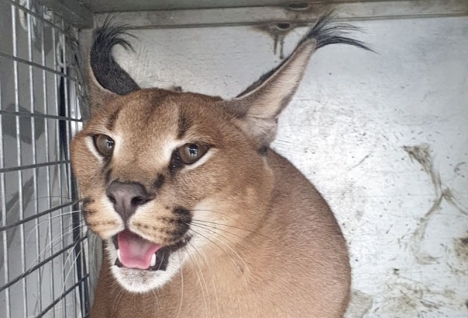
[[39, 236]]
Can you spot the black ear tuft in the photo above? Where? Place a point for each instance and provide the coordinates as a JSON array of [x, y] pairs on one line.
[[328, 31], [325, 31], [105, 69], [257, 108]]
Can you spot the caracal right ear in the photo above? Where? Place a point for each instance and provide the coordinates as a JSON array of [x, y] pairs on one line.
[[257, 108]]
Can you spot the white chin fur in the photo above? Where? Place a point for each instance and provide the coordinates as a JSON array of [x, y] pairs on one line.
[[142, 281]]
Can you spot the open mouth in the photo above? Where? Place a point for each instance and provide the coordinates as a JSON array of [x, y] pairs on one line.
[[133, 251]]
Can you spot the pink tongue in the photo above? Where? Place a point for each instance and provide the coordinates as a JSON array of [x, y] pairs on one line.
[[135, 251]]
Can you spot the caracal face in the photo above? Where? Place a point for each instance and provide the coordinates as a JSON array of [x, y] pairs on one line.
[[147, 139]]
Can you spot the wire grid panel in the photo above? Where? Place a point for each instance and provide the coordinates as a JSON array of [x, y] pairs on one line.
[[43, 243]]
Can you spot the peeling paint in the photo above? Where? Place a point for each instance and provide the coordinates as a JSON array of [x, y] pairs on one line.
[[278, 32], [450, 198], [422, 154], [461, 249], [413, 298], [294, 13]]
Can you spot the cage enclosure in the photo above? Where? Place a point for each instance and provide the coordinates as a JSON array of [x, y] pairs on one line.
[[382, 136]]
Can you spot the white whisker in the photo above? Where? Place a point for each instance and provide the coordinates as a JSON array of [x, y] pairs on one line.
[[232, 226], [181, 287], [202, 284], [57, 239], [237, 265]]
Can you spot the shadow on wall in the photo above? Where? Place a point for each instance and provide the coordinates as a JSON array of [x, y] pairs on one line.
[[12, 205]]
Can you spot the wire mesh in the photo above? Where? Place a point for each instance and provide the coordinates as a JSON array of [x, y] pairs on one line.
[[43, 242]]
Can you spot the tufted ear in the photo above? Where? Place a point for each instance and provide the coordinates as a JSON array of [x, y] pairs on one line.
[[106, 79], [257, 108]]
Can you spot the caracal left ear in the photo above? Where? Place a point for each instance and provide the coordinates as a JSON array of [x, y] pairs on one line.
[[257, 108], [106, 79]]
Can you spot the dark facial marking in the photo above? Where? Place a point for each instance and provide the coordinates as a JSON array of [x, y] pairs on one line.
[[84, 206], [107, 176], [162, 259], [86, 212], [262, 150], [157, 184], [87, 201], [183, 126], [162, 256], [175, 163], [106, 164], [113, 119], [183, 221]]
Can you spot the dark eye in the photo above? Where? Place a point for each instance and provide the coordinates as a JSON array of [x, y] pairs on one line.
[[190, 153], [104, 144]]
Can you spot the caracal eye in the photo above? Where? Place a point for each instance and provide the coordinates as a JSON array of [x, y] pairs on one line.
[[190, 153], [104, 145]]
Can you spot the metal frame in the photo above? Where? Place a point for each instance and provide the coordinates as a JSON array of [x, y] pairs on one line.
[[291, 14], [156, 14], [43, 242]]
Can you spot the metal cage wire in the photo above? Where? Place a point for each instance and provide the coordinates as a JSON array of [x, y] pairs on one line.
[[43, 242]]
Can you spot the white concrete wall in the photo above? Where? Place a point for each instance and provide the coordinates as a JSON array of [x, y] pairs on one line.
[[382, 136]]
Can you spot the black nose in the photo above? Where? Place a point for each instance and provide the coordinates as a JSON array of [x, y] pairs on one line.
[[126, 197]]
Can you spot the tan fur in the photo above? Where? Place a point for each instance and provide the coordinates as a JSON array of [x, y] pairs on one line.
[[258, 241], [282, 254]]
